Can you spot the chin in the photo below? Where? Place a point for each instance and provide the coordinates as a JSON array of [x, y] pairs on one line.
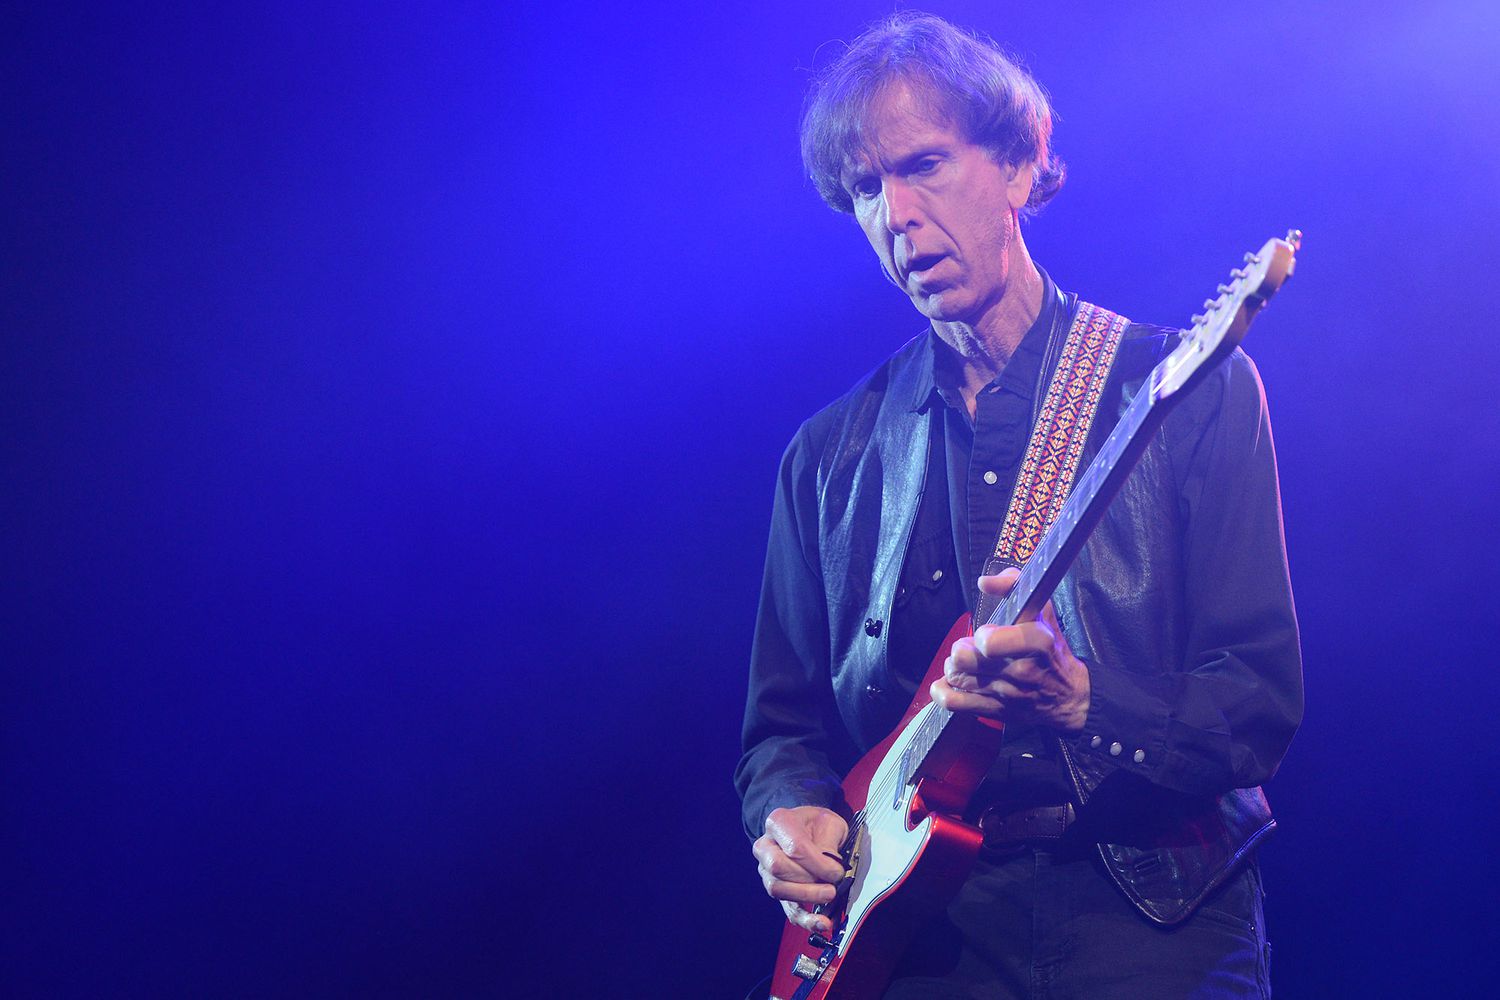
[[945, 306]]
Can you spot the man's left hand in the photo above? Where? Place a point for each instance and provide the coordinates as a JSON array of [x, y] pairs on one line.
[[1023, 673]]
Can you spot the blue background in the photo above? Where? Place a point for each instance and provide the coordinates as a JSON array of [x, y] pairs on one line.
[[393, 395]]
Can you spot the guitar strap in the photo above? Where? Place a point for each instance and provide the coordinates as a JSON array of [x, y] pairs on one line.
[[1056, 447]]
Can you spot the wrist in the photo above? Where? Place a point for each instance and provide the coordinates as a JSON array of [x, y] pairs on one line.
[[1076, 712]]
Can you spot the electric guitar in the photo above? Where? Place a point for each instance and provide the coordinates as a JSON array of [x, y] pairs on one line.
[[908, 851]]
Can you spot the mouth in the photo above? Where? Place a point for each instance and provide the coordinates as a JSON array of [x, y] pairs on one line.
[[917, 266]]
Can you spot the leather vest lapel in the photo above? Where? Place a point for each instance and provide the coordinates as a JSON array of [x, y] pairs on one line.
[[870, 483]]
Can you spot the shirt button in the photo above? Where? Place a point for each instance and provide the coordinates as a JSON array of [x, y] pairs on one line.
[[1140, 755], [937, 575], [1114, 749], [991, 478], [1095, 742]]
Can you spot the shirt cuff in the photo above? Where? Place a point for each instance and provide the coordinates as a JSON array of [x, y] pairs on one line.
[[1132, 724]]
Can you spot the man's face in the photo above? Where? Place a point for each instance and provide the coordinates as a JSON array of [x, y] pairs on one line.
[[939, 211]]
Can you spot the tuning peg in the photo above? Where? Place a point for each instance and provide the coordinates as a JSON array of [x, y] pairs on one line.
[[1222, 289], [1209, 305], [1250, 258], [1238, 273], [1294, 237], [1198, 320]]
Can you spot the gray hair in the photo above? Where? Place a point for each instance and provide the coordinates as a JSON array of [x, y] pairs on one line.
[[961, 78]]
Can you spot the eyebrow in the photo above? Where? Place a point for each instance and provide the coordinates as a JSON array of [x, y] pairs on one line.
[[923, 152], [854, 172]]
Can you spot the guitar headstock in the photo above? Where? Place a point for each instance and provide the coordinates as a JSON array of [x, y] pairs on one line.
[[1222, 324]]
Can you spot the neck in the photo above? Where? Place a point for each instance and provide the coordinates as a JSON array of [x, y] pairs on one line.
[[985, 346]]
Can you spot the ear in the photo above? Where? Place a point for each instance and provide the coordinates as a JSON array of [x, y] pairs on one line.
[[1018, 180]]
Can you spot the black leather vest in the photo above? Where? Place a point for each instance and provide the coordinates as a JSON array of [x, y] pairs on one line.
[[1119, 604]]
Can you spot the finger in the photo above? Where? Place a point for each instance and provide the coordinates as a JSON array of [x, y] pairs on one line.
[[807, 864], [963, 657], [972, 702], [800, 892], [807, 921], [1000, 583], [1001, 677], [972, 674], [808, 847], [777, 865], [1049, 617], [1007, 691], [977, 654], [1015, 642]]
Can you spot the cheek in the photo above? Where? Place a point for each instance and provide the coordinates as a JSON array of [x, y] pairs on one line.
[[879, 241], [996, 241]]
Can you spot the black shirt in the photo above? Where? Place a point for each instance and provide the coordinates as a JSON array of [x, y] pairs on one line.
[[971, 472]]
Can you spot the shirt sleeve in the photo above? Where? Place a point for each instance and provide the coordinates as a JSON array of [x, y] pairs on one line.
[[1225, 717], [794, 743]]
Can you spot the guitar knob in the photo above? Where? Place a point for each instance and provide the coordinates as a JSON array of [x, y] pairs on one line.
[[806, 968]]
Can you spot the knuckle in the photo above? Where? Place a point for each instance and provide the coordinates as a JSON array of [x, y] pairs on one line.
[[786, 870]]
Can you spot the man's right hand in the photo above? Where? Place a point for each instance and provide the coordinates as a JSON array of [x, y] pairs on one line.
[[794, 866]]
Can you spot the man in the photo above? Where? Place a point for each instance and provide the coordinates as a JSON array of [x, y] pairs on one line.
[[1163, 683]]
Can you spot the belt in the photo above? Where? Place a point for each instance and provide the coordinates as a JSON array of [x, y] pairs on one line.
[[1008, 832]]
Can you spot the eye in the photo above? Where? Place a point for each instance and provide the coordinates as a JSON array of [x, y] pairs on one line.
[[925, 165], [865, 188]]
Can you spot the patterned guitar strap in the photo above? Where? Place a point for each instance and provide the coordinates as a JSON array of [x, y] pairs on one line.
[[1062, 427]]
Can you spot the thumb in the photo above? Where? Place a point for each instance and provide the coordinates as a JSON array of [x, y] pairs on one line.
[[1001, 583]]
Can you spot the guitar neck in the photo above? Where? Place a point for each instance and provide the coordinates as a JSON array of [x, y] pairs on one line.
[[1212, 337], [1085, 505], [1047, 565]]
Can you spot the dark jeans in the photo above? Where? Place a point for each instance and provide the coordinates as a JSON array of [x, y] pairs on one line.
[[1040, 925]]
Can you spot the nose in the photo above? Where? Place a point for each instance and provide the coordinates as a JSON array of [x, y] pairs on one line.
[[901, 211]]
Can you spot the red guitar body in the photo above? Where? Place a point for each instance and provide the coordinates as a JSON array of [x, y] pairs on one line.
[[913, 879]]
